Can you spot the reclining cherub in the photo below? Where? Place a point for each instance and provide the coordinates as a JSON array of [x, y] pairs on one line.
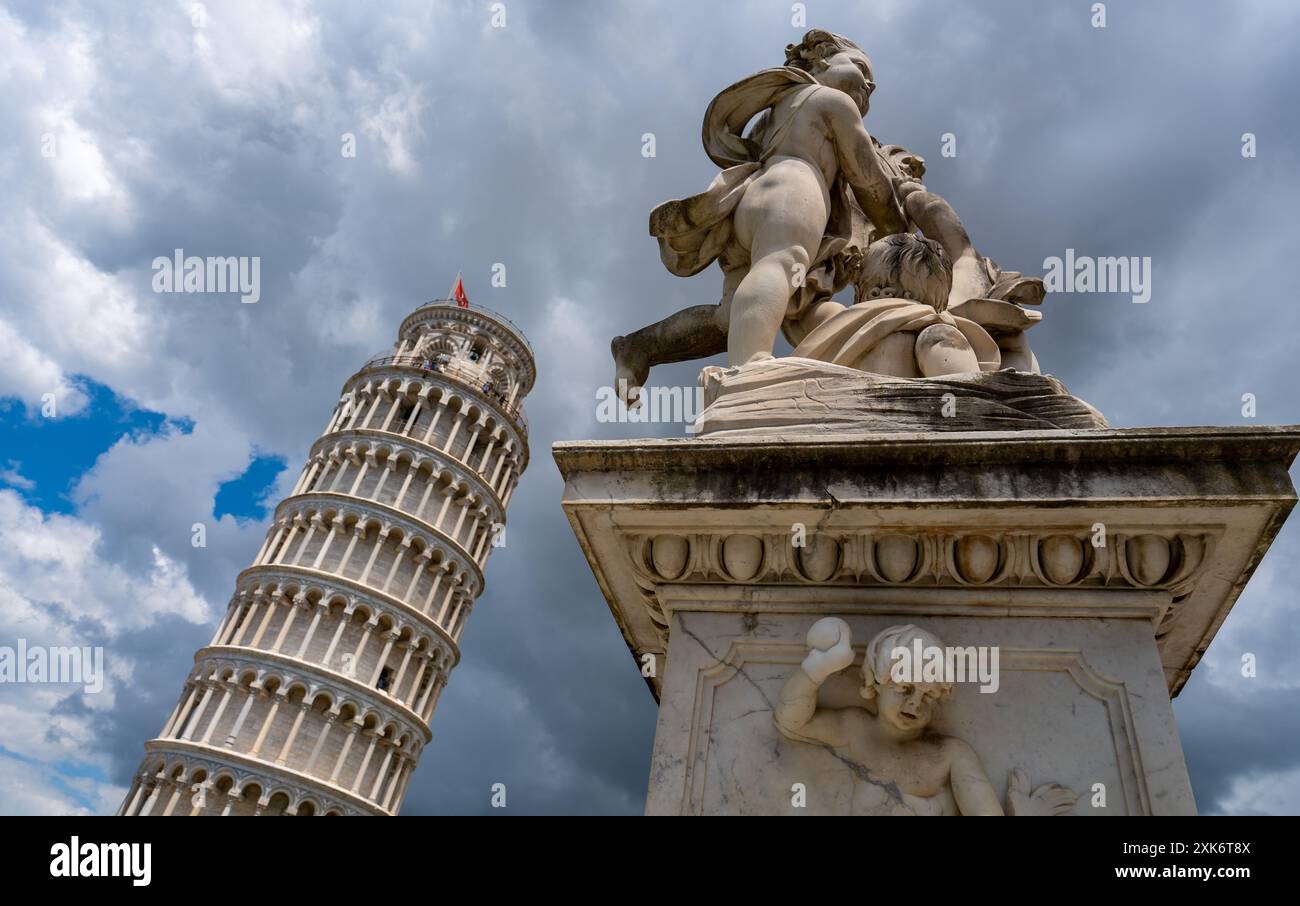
[[940, 268], [900, 765], [900, 325]]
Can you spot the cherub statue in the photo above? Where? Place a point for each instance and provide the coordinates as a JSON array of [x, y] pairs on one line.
[[787, 209], [799, 199], [900, 766]]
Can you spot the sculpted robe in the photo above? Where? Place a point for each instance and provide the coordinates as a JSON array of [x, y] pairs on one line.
[[847, 338]]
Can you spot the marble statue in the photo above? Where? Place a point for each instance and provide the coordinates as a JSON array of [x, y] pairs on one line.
[[904, 459], [802, 200], [900, 766]]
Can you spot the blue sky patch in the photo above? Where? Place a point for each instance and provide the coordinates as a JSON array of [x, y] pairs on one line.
[[245, 497], [42, 458]]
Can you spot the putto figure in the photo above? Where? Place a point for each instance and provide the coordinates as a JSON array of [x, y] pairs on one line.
[[900, 766], [787, 210], [801, 197]]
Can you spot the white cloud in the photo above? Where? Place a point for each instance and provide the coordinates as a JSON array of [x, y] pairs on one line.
[[36, 789], [29, 374], [81, 172], [572, 380], [1266, 793], [56, 590], [12, 475], [251, 53], [51, 577], [396, 124]]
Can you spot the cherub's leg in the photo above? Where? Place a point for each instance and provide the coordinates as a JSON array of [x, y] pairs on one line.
[[763, 296], [691, 333], [697, 332], [731, 280]]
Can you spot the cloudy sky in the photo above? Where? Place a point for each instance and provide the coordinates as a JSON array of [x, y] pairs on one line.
[[130, 130]]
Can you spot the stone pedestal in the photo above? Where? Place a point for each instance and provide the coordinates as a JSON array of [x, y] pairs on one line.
[[1098, 563]]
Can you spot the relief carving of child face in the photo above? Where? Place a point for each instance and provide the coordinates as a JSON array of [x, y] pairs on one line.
[[908, 707]]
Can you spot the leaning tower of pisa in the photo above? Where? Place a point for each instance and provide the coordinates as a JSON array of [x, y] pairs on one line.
[[315, 694]]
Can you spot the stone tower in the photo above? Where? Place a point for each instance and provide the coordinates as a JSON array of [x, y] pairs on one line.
[[315, 695]]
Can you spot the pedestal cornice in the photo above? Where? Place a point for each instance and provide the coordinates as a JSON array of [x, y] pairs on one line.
[[993, 519]]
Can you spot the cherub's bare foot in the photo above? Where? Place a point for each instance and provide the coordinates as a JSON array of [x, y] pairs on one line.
[[630, 370]]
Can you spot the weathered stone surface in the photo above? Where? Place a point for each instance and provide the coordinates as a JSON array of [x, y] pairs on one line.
[[782, 396], [1081, 702], [1100, 563]]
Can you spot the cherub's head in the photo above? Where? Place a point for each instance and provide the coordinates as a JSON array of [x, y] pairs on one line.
[[835, 62], [906, 266], [906, 706]]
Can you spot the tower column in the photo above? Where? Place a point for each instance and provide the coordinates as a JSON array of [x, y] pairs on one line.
[[353, 729], [185, 711], [233, 736], [216, 718], [324, 548], [311, 631], [330, 719], [177, 711], [365, 759], [303, 708], [276, 699], [408, 699]]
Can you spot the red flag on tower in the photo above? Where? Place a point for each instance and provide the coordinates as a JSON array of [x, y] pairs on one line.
[[458, 292]]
